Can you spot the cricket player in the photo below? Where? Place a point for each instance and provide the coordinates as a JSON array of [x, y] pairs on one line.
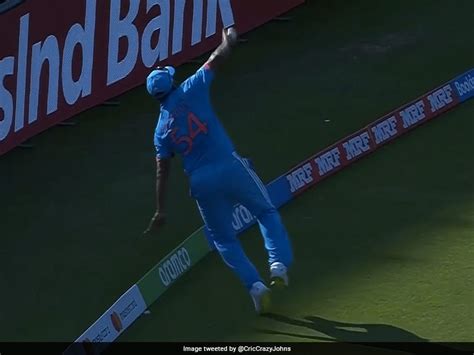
[[219, 178]]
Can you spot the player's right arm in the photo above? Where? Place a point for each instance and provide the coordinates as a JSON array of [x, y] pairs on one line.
[[199, 83]]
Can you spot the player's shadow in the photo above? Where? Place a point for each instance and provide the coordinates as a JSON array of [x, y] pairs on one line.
[[373, 335]]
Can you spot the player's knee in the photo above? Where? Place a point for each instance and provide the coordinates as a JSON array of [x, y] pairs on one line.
[[266, 212], [224, 243]]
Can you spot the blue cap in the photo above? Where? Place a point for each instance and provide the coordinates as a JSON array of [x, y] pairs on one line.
[[160, 81]]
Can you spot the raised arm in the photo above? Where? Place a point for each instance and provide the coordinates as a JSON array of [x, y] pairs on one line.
[[219, 56]]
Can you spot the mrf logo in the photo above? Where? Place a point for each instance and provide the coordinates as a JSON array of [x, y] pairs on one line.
[[357, 145], [413, 114], [385, 130], [441, 98], [300, 177], [328, 161]]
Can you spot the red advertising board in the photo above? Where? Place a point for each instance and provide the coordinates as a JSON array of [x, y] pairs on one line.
[[59, 58], [382, 131]]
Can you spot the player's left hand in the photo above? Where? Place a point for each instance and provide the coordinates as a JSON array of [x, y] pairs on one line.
[[156, 222]]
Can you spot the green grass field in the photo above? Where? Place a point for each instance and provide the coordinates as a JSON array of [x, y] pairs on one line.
[[386, 245]]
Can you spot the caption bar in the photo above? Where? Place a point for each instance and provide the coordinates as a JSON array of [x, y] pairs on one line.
[[237, 349]]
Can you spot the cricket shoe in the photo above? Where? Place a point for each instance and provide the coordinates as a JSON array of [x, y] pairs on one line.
[[261, 297], [278, 275]]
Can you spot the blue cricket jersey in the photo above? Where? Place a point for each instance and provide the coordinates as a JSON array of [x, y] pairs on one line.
[[188, 125]]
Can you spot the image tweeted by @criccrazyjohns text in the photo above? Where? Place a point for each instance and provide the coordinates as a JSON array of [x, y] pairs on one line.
[[237, 349]]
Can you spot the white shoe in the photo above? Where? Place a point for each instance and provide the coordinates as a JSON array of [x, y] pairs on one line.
[[261, 297], [278, 275]]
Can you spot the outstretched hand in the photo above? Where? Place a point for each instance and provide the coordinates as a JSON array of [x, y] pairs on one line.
[[230, 35], [157, 221]]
